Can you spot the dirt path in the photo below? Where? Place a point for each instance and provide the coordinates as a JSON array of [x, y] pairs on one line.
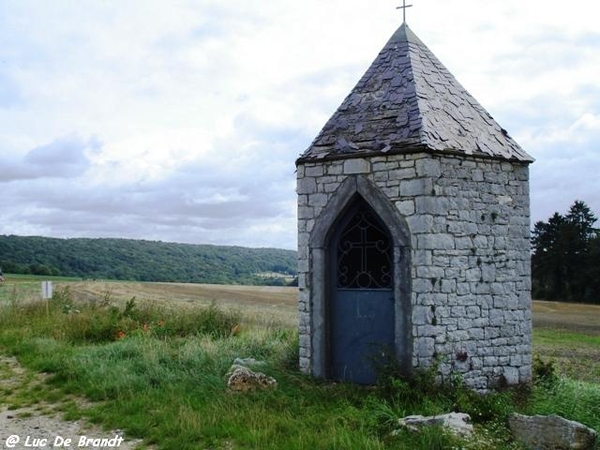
[[39, 425]]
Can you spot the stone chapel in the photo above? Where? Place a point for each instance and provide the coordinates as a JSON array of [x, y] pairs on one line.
[[413, 231]]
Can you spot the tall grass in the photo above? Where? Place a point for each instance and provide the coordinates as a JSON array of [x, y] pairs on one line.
[[159, 374], [577, 400]]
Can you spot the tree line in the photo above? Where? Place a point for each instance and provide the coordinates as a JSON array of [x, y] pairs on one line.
[[565, 262], [141, 260]]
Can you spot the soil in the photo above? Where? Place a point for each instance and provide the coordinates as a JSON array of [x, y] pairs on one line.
[[39, 425]]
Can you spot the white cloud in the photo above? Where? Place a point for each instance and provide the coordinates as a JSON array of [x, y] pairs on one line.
[[182, 120]]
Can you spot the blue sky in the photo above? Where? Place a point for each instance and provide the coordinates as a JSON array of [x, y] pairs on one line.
[[181, 120]]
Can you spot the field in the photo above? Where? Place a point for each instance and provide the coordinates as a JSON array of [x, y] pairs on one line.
[[568, 334], [262, 304], [152, 359]]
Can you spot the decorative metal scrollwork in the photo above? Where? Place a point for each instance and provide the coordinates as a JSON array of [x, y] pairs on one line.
[[364, 254]]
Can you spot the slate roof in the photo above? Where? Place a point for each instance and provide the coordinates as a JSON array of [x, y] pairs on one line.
[[408, 102]]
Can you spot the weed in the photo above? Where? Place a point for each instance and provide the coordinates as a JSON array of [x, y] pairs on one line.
[[544, 372], [129, 307]]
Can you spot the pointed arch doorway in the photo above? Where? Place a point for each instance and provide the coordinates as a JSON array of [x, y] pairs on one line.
[[361, 300], [327, 300]]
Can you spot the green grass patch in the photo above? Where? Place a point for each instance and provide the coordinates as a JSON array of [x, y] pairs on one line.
[[159, 374], [19, 288], [574, 355], [21, 278], [565, 338]]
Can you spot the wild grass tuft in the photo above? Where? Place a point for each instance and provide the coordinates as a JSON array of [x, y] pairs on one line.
[[63, 320], [574, 399]]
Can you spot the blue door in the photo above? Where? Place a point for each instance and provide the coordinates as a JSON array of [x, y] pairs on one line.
[[361, 313]]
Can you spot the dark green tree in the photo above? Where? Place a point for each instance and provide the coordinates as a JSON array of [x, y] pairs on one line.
[[565, 256], [547, 268]]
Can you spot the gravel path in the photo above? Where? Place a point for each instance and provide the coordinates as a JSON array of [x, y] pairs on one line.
[[39, 426]]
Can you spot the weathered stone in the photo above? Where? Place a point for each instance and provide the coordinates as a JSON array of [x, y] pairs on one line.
[[435, 242], [432, 205], [425, 346], [456, 423], [420, 224], [306, 186], [313, 171], [403, 174], [511, 374], [317, 200], [242, 379], [406, 207], [419, 186], [355, 166], [551, 433], [428, 168]]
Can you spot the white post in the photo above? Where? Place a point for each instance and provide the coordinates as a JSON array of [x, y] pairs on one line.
[[46, 290]]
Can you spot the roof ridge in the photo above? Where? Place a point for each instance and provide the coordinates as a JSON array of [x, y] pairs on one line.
[[411, 38]]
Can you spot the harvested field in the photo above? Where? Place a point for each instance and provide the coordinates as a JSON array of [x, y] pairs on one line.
[[576, 317], [569, 335], [261, 304]]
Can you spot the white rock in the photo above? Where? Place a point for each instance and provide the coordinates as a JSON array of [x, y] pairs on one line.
[[456, 423], [242, 379]]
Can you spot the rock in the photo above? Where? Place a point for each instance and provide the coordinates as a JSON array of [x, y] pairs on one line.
[[242, 379], [551, 433], [248, 362], [456, 423]]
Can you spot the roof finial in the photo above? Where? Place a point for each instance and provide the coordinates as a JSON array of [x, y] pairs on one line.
[[403, 8]]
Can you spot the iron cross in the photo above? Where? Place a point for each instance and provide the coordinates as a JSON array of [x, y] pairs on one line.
[[403, 8]]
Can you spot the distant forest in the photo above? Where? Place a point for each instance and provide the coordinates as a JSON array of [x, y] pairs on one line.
[[565, 264], [565, 259], [140, 260]]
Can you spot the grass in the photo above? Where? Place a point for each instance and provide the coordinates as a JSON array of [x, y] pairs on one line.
[[19, 288], [158, 372], [576, 355]]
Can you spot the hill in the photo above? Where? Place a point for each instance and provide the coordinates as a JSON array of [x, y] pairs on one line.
[[129, 259]]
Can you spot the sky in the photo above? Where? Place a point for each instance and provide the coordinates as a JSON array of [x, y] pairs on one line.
[[181, 121]]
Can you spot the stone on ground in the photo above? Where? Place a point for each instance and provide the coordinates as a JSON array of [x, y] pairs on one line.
[[243, 379], [551, 433], [456, 423]]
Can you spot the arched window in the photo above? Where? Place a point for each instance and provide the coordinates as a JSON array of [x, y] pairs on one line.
[[363, 251]]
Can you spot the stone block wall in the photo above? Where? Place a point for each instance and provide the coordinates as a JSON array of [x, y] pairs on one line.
[[470, 258]]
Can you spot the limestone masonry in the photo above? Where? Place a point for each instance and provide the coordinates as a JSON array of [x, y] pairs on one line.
[[470, 274]]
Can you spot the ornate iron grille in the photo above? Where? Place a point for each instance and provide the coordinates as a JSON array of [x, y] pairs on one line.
[[364, 254]]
